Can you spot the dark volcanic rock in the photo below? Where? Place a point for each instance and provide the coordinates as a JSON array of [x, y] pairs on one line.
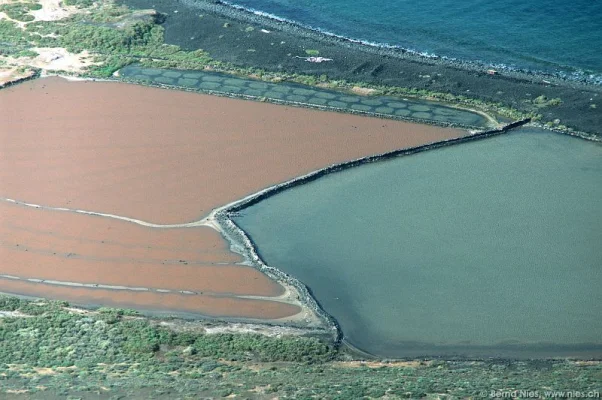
[[240, 38]]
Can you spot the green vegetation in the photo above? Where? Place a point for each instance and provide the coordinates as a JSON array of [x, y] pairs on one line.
[[311, 52], [26, 53], [543, 101], [20, 11], [114, 40], [51, 349], [12, 38], [79, 3], [55, 337]]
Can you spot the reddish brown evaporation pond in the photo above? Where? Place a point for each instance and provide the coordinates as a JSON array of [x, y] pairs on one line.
[[164, 157]]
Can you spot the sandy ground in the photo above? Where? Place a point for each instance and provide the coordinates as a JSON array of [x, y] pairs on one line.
[[52, 10], [48, 59], [58, 59], [12, 74], [51, 59], [164, 157]]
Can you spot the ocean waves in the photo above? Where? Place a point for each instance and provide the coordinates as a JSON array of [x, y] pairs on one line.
[[421, 37]]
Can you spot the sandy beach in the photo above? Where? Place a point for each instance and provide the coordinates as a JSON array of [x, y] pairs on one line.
[[163, 157]]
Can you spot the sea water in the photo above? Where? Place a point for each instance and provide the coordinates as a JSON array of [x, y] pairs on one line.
[[542, 35], [489, 248]]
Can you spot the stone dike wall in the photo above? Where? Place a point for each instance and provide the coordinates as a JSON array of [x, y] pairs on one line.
[[242, 243]]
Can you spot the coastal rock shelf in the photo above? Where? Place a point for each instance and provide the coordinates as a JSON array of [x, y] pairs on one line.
[[314, 97]]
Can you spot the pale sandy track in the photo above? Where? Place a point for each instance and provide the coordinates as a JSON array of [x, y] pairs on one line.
[[185, 303], [110, 184], [202, 222]]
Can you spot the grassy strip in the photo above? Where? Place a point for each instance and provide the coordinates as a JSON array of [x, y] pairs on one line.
[[46, 347]]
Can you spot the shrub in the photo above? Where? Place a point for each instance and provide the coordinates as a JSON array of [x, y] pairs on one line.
[[20, 11], [79, 3]]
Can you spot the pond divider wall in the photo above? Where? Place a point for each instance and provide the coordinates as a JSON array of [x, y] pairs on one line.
[[369, 159], [264, 99], [241, 242]]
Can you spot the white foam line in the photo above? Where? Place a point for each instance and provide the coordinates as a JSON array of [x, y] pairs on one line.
[[201, 222], [133, 288], [90, 285]]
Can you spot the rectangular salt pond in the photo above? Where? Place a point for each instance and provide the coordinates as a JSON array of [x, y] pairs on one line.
[[489, 248], [312, 96]]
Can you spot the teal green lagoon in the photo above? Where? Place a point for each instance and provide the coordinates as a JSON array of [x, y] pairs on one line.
[[491, 248]]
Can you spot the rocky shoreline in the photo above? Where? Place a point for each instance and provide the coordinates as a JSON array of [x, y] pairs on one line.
[[241, 243], [243, 14], [254, 41]]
